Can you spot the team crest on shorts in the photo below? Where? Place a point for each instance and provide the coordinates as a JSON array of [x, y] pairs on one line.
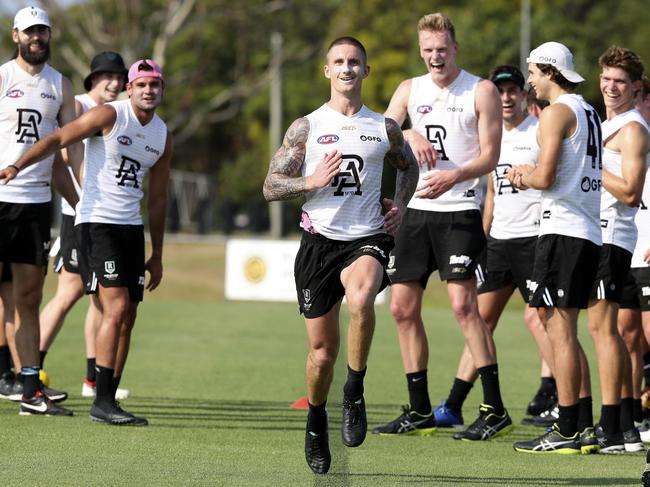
[[109, 267], [306, 295]]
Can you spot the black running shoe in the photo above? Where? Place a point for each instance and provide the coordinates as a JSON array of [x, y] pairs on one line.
[[317, 451], [10, 387], [486, 426], [588, 441], [41, 405], [632, 440], [541, 402], [354, 423], [609, 444], [409, 423], [545, 419], [53, 395], [551, 442], [115, 415]]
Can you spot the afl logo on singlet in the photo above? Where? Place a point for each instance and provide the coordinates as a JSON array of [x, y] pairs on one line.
[[15, 93], [425, 109], [328, 139], [124, 140]]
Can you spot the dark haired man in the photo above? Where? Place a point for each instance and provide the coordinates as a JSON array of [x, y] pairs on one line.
[[334, 157]]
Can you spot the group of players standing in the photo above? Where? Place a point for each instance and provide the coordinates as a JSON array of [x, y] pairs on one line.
[[102, 237], [558, 224]]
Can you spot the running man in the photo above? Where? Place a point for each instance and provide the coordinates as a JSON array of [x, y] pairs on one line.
[[569, 175], [334, 157], [456, 119], [126, 139]]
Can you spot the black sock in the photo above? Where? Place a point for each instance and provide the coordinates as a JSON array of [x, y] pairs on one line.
[[43, 354], [5, 358], [90, 370], [627, 414], [459, 392], [637, 411], [353, 388], [567, 421], [31, 383], [585, 413], [491, 391], [317, 417], [116, 384], [547, 386], [610, 418], [646, 368], [418, 392], [104, 389]]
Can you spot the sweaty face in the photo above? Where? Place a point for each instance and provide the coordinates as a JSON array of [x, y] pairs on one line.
[[617, 88], [107, 86], [146, 93], [512, 99], [346, 67], [33, 44], [438, 51]]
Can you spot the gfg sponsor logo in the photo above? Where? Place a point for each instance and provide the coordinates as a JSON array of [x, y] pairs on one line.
[[589, 184], [328, 139], [124, 140], [546, 59], [370, 138]]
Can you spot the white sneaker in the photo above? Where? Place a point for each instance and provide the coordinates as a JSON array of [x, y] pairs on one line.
[[88, 389], [644, 431]]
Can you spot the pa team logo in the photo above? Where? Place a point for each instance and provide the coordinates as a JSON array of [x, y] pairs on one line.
[[109, 266], [124, 140], [15, 94], [328, 139], [424, 109]]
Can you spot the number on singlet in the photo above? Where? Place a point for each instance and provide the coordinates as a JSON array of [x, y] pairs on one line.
[[349, 176], [594, 139]]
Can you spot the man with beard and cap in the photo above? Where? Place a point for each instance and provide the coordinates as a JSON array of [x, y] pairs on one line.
[[107, 79], [35, 99]]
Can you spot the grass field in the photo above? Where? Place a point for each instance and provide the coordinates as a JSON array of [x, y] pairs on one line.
[[216, 379]]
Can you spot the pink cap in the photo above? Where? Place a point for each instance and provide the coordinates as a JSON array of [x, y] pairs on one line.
[[145, 68]]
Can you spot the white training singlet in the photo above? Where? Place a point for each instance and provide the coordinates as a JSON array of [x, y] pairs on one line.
[[115, 167], [642, 220], [86, 101], [29, 107], [350, 207], [516, 213], [616, 218], [571, 207], [447, 118]]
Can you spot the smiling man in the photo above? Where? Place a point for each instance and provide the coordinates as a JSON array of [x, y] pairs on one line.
[[456, 136], [334, 157], [126, 139]]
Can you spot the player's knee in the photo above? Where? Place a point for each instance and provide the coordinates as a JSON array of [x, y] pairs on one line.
[[323, 356], [463, 310], [361, 300], [116, 312], [28, 299]]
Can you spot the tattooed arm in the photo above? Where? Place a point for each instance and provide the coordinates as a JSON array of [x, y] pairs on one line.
[[401, 157], [284, 180]]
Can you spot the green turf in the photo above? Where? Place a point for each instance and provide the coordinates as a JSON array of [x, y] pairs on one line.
[[216, 380]]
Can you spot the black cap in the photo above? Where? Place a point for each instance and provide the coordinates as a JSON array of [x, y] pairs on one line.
[[507, 72], [106, 62]]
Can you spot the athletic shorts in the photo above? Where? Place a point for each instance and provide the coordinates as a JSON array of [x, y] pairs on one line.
[[509, 263], [7, 275], [613, 268], [319, 263], [564, 272], [636, 290], [25, 233], [113, 256], [67, 256], [449, 242]]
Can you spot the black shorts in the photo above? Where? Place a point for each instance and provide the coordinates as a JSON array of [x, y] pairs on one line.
[[509, 263], [449, 242], [113, 256], [636, 290], [25, 233], [318, 266], [67, 257], [7, 275], [613, 268], [564, 272]]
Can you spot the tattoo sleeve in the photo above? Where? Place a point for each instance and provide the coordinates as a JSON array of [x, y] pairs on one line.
[[283, 181], [401, 157]]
